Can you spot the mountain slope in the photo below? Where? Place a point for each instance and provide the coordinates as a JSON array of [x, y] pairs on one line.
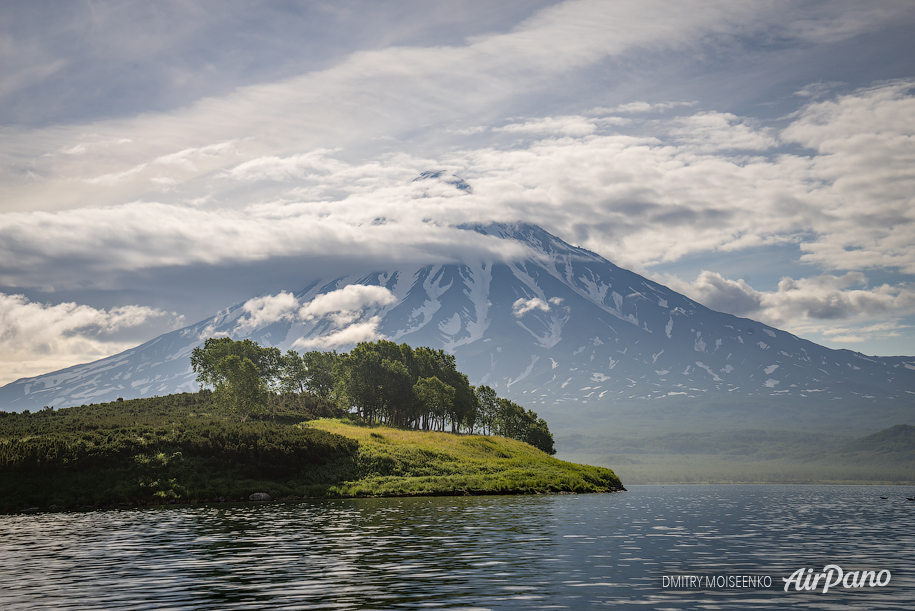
[[562, 331]]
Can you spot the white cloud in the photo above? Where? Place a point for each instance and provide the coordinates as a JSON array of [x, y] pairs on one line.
[[365, 98], [809, 305], [878, 331], [268, 309], [346, 308], [707, 182], [116, 177], [286, 168], [522, 306], [717, 131], [641, 107], [365, 331], [185, 158], [40, 337], [560, 126], [351, 298]]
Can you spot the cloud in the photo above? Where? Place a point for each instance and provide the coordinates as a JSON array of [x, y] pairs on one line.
[[363, 98], [185, 159], [268, 309], [116, 177], [351, 298], [638, 200], [853, 335], [714, 291], [641, 107], [809, 305], [365, 331], [321, 162], [559, 126], [717, 131], [39, 337], [708, 182], [523, 306], [345, 308], [286, 168]]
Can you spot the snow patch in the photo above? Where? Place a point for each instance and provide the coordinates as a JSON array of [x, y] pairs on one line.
[[770, 332], [669, 327], [554, 362], [662, 302], [727, 369], [709, 370], [526, 372], [618, 301], [770, 383], [599, 377], [654, 357], [699, 345], [770, 369], [763, 345], [452, 326]]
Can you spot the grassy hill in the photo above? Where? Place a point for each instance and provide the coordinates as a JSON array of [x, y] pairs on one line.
[[179, 448], [396, 462]]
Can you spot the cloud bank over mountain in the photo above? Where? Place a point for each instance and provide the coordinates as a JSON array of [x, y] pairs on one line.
[[756, 156]]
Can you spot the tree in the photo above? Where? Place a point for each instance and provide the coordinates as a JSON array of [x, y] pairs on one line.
[[241, 373], [514, 422], [488, 403], [243, 391], [205, 361], [319, 367], [436, 397]]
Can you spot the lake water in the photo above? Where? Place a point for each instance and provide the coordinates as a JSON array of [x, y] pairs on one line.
[[500, 552]]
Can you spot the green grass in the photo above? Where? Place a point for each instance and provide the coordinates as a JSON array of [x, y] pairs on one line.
[[395, 462]]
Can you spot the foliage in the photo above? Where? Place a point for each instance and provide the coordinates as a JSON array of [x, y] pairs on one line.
[[381, 381], [513, 422], [312, 373], [153, 450], [242, 373], [393, 461]]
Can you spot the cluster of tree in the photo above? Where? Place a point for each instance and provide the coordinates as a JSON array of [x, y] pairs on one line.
[[380, 381]]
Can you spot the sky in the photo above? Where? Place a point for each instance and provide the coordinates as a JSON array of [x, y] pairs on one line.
[[162, 161]]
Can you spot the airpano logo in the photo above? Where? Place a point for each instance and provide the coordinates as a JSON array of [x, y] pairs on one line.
[[805, 580]]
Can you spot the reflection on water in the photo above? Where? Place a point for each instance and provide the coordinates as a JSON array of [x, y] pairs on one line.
[[467, 552]]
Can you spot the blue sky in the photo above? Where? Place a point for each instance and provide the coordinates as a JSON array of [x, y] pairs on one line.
[[160, 161]]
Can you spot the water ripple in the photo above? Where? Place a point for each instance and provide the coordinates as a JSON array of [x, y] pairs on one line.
[[464, 553]]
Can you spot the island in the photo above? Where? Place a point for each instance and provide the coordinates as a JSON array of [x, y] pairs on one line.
[[383, 420]]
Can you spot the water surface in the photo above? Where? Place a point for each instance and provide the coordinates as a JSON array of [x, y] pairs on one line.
[[508, 552]]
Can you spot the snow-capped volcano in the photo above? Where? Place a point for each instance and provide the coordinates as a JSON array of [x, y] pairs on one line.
[[562, 331]]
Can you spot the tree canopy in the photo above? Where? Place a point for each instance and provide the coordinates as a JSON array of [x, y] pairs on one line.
[[378, 381]]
